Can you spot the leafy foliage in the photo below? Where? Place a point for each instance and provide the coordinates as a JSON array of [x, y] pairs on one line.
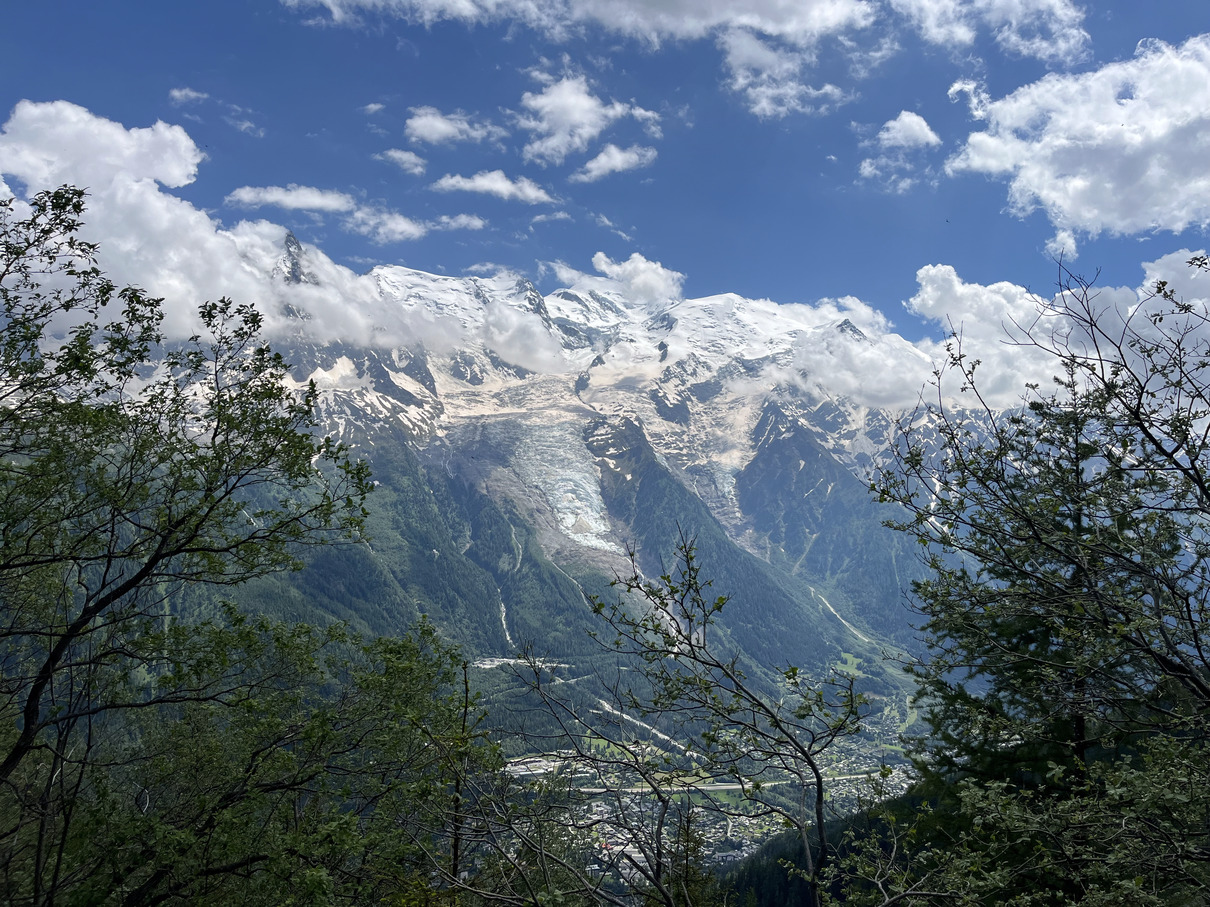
[[713, 731], [1068, 677], [147, 757]]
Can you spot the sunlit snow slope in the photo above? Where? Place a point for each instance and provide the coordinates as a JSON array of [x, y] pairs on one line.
[[593, 425]]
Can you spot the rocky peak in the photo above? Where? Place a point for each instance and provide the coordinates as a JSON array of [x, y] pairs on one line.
[[291, 267]]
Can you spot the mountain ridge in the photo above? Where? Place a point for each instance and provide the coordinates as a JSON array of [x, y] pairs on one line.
[[569, 431]]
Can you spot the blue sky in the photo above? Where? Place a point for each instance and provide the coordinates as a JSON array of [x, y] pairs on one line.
[[794, 150]]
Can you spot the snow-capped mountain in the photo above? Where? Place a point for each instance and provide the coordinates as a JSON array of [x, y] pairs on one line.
[[596, 424]]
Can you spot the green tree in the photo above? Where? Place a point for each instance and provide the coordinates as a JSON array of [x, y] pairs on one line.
[[683, 729], [689, 879], [145, 757], [311, 772], [1067, 679]]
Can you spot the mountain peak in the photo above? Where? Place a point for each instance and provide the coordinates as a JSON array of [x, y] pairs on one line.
[[847, 327], [290, 267]]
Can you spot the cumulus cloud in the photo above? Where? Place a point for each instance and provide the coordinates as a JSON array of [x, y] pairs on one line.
[[407, 161], [989, 320], [44, 143], [1190, 285], [565, 117], [976, 94], [378, 224], [153, 239], [771, 78], [291, 197], [1120, 149], [1062, 246], [1049, 30], [804, 21], [872, 368], [639, 279], [770, 45], [900, 141], [460, 222], [877, 367], [429, 125], [179, 96], [373, 108], [144, 230], [385, 226], [908, 130], [988, 311], [520, 338], [613, 159], [992, 320], [497, 183]]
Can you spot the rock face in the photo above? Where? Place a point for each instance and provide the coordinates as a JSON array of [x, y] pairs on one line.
[[547, 437]]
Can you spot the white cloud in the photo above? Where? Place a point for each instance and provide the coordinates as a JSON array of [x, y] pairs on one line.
[[44, 144], [291, 197], [407, 161], [385, 226], [637, 279], [943, 297], [771, 78], [876, 369], [992, 320], [1062, 246], [379, 224], [977, 97], [770, 44], [1050, 30], [1190, 285], [495, 182], [460, 222], [901, 140], [566, 117], [650, 121], [152, 239], [653, 21], [520, 337], [983, 317], [986, 318], [602, 221], [149, 237], [803, 22], [645, 281], [180, 96], [373, 108], [864, 59], [430, 125], [613, 159], [1121, 149], [948, 22], [246, 126], [908, 130]]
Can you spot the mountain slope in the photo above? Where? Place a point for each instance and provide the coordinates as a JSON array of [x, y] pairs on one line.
[[524, 445]]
